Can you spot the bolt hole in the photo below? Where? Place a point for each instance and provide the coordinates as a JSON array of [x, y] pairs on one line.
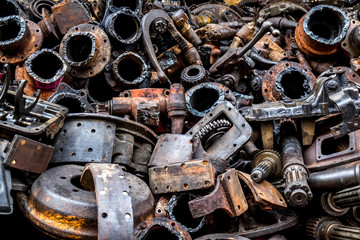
[[104, 215]]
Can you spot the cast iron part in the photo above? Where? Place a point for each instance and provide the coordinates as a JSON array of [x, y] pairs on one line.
[[19, 38], [228, 142], [130, 70], [266, 163], [122, 25], [331, 94], [320, 32], [36, 6], [335, 178], [181, 20], [161, 228], [193, 75], [77, 218], [188, 50], [75, 100], [10, 7], [340, 202], [327, 228], [297, 191], [86, 48], [46, 68], [6, 199]]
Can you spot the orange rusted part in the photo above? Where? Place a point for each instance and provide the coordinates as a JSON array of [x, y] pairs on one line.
[[269, 90], [69, 13], [160, 209], [311, 47], [264, 193], [215, 52], [270, 49], [30, 89], [30, 43]]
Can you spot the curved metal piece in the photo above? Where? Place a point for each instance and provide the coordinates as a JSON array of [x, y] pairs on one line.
[[114, 207], [19, 109]]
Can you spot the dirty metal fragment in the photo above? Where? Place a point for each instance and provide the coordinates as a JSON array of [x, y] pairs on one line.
[[191, 175], [28, 155], [114, 207], [227, 195]]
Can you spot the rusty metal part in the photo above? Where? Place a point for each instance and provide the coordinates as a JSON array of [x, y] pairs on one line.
[[219, 12], [36, 6], [134, 6], [351, 43], [193, 75], [112, 190], [123, 25], [161, 228], [266, 163], [176, 108], [77, 218], [86, 48], [74, 100], [83, 141], [31, 88], [324, 228], [48, 26], [277, 8], [339, 177], [181, 20], [270, 50], [277, 220], [28, 155], [178, 210], [297, 191], [148, 104], [235, 54], [11, 7], [228, 195], [130, 70], [189, 51], [212, 32], [46, 76], [203, 97], [327, 152], [265, 195], [228, 143], [340, 202], [355, 64], [19, 39], [317, 36], [69, 13], [178, 177], [330, 87], [287, 80]]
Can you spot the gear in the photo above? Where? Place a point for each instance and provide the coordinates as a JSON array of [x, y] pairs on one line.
[[266, 162], [315, 227], [213, 131]]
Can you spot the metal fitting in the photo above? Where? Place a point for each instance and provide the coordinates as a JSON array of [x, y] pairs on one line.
[[19, 38], [266, 163], [86, 49], [130, 70], [297, 191], [193, 75], [123, 26], [320, 32]]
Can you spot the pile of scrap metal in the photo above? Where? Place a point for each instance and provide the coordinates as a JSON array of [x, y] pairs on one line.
[[181, 119]]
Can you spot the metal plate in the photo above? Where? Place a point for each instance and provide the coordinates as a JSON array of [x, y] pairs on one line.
[[28, 155], [84, 140]]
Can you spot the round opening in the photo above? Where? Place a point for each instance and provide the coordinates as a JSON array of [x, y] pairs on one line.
[[204, 98], [72, 104], [131, 4], [129, 69], [126, 27], [326, 23], [100, 90], [79, 48], [46, 65], [182, 213], [75, 180], [8, 8], [9, 30], [159, 232], [293, 84], [193, 72]]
